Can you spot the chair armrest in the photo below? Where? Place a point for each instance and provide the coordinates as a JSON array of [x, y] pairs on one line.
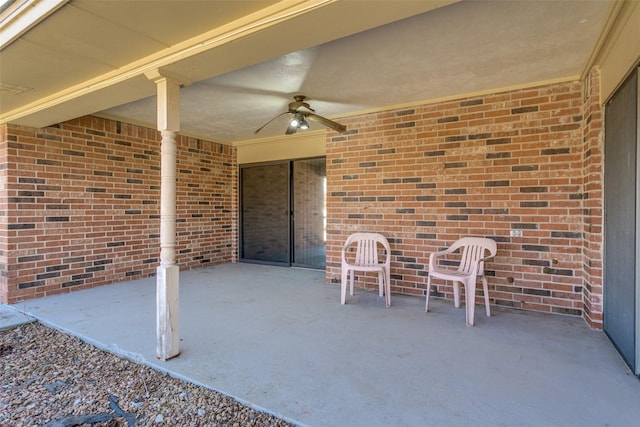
[[480, 261], [435, 255], [345, 248], [343, 252]]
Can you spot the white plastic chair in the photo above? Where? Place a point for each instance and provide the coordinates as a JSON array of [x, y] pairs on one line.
[[366, 259], [470, 269]]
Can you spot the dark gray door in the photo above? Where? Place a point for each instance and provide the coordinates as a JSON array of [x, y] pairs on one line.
[[620, 223]]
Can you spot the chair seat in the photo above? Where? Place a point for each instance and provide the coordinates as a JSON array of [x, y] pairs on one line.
[[448, 273], [365, 267]]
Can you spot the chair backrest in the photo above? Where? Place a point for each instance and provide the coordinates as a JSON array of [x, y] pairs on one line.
[[367, 248], [474, 248]]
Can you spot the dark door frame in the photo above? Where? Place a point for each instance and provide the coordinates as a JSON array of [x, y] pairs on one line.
[[619, 294]]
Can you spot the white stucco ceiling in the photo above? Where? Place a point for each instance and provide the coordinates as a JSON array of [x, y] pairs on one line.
[[346, 56]]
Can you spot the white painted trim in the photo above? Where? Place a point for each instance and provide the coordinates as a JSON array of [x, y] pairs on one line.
[[247, 25], [605, 32], [23, 15], [301, 145]]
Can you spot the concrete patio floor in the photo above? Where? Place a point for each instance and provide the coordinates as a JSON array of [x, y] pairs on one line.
[[279, 340]]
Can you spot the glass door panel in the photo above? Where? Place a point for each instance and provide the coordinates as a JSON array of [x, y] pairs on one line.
[[309, 208], [265, 213]]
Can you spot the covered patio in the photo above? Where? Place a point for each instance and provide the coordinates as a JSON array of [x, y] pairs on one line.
[[279, 340]]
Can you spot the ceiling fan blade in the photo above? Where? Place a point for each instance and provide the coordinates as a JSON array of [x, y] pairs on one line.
[[260, 128], [291, 129], [328, 123]]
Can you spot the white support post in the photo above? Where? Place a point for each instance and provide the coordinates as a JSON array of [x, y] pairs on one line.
[[167, 282]]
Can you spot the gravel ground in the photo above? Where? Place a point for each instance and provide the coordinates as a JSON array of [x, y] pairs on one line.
[[52, 379]]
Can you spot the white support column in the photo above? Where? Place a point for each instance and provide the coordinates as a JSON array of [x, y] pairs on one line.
[[167, 283]]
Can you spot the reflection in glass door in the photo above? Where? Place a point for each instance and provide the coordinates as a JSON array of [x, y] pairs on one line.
[[309, 219]]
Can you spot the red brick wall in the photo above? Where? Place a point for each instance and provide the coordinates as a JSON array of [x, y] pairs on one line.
[[479, 166], [593, 167], [80, 206]]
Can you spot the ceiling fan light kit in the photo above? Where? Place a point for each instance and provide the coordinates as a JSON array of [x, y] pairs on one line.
[[300, 116], [299, 122]]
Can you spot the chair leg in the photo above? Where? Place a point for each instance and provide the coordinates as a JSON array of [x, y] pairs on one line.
[[343, 286], [426, 305], [381, 283], [387, 281], [456, 294], [470, 300], [485, 289], [353, 273]]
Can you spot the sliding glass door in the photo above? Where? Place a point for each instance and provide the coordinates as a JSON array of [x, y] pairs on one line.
[[265, 213], [309, 219], [283, 213]]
